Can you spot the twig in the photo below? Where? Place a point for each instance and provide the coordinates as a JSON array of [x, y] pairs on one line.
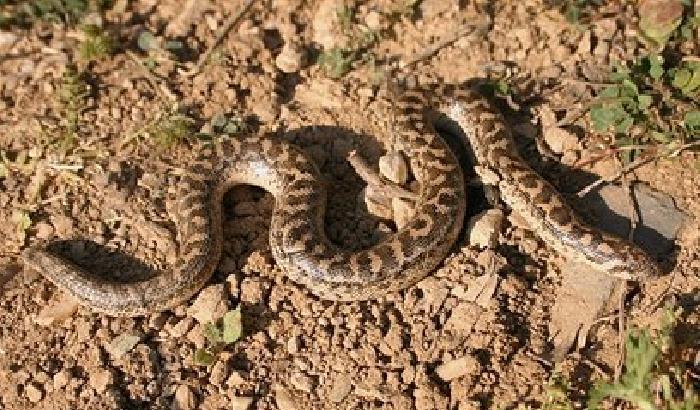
[[631, 209], [669, 152], [429, 52], [386, 188], [223, 31]]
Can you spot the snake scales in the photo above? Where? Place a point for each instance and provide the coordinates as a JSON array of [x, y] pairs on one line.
[[297, 237]]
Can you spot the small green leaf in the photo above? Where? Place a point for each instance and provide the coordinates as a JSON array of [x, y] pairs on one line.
[[610, 92], [644, 101], [661, 137], [203, 357], [602, 118], [681, 77], [624, 125], [692, 123], [232, 325], [629, 89], [147, 41], [212, 333], [656, 68]]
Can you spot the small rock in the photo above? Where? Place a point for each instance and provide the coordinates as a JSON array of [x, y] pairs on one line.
[[374, 20], [122, 344], [241, 402], [402, 210], [235, 379], [7, 39], [559, 140], [184, 398], [457, 368], [302, 382], [61, 379], [196, 336], [210, 305], [100, 379], [182, 327], [393, 167], [376, 204], [484, 228], [283, 399], [290, 59], [341, 388], [44, 230], [218, 373], [58, 311], [34, 392]]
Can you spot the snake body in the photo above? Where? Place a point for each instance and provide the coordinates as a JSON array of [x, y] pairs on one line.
[[297, 238]]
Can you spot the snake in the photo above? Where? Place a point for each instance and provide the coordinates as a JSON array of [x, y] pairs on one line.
[[298, 242]]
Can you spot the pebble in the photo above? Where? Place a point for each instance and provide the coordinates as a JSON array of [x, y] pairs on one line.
[[341, 388], [61, 379], [560, 140], [241, 402], [485, 227], [219, 373], [402, 210], [57, 312], [122, 344], [302, 382], [184, 398], [34, 392], [210, 305], [458, 367], [394, 168], [181, 327], [100, 379], [7, 39], [375, 203], [284, 399], [290, 59]]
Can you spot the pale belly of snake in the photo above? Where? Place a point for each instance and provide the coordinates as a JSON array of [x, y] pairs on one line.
[[297, 238]]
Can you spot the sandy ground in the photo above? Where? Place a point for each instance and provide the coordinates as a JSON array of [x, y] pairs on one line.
[[478, 333]]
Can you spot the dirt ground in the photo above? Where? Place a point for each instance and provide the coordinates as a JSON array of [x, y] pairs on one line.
[[475, 334]]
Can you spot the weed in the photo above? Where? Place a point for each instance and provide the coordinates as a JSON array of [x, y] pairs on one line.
[[649, 104], [97, 43], [170, 129], [337, 61], [649, 374], [72, 94], [24, 13], [218, 336]]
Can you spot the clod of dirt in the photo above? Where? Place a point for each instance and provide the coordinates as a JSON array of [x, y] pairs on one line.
[[57, 311], [100, 379], [241, 402], [457, 368], [34, 392], [210, 305], [402, 211], [291, 59], [393, 167], [184, 398], [483, 229], [122, 344], [342, 386], [284, 399]]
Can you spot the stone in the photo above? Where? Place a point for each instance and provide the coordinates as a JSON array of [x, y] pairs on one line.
[[34, 392], [61, 379], [483, 229], [58, 311], [559, 140], [284, 399], [457, 368], [290, 59], [210, 305], [342, 385], [100, 379], [122, 344], [403, 210], [184, 398], [241, 402], [393, 167]]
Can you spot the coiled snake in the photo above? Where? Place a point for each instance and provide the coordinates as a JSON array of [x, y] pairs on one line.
[[297, 237]]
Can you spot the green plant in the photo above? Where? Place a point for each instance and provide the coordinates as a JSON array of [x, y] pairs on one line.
[[170, 129], [97, 43], [65, 11], [649, 104], [219, 335], [72, 94], [337, 61], [649, 373]]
